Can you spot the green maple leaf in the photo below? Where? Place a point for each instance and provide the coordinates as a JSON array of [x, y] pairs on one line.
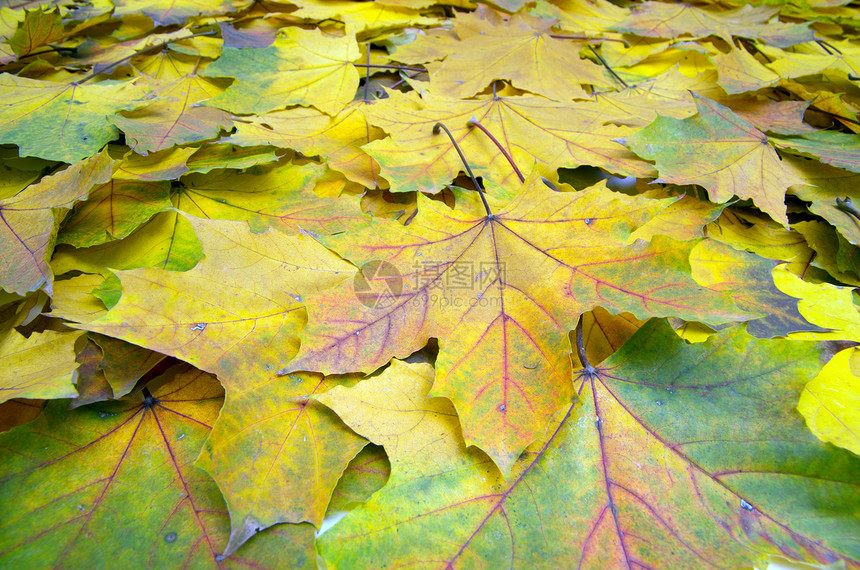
[[80, 488], [676, 455], [62, 122], [719, 150]]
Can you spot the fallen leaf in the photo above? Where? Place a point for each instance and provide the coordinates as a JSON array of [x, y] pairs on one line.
[[121, 474], [164, 311], [741, 72], [166, 241], [302, 67], [337, 139], [39, 367], [522, 51], [271, 440], [30, 220], [114, 210], [163, 165], [38, 28], [166, 12], [748, 278], [176, 118], [280, 196], [675, 20], [363, 16], [62, 122], [823, 304], [500, 293], [812, 58], [530, 129], [781, 117], [367, 473], [830, 402], [837, 149], [823, 185], [653, 476], [828, 246], [720, 151]]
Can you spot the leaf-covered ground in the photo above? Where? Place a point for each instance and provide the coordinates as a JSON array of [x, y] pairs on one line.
[[547, 283]]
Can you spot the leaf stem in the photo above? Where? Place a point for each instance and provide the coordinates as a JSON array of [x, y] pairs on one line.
[[828, 47], [411, 75], [436, 130], [367, 74], [565, 37], [51, 49], [848, 207], [380, 66], [606, 65], [587, 369], [473, 122]]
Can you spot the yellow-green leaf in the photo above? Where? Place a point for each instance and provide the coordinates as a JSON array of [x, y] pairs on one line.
[[302, 67], [38, 28], [675, 456], [62, 122], [831, 402], [500, 292], [275, 454], [255, 281], [113, 210], [41, 366], [720, 151], [31, 217], [114, 483], [529, 128]]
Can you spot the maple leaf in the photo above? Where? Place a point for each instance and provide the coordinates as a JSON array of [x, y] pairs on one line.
[[166, 12], [643, 485], [62, 122], [521, 50], [166, 241], [279, 195], [338, 138], [830, 402], [176, 118], [748, 278], [741, 72], [840, 57], [114, 210], [531, 128], [226, 336], [501, 292], [720, 151], [182, 240], [30, 218], [302, 67], [41, 366], [823, 185], [838, 149], [290, 447], [674, 20], [77, 485], [38, 28], [219, 334], [363, 16]]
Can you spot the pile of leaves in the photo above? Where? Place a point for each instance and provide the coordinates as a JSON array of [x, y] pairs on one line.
[[565, 281]]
